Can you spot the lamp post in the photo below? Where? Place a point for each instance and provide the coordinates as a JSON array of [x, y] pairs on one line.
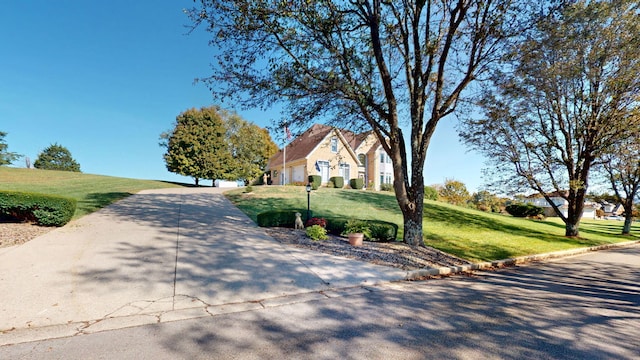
[[308, 201]]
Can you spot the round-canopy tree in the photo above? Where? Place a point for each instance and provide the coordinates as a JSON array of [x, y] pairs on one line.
[[212, 143], [56, 157], [197, 145]]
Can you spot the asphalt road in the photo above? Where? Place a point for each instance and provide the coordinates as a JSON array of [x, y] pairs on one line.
[[584, 307]]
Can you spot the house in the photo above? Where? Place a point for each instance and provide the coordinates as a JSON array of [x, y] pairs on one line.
[[328, 151], [589, 211]]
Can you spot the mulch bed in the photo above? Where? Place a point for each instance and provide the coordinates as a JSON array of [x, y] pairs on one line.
[[395, 254], [16, 233]]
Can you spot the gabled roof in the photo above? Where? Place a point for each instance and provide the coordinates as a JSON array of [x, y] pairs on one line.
[[302, 146]]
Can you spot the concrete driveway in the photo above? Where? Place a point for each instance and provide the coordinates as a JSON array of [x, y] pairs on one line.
[[159, 256]]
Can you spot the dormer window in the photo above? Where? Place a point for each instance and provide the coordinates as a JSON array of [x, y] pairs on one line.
[[334, 144]]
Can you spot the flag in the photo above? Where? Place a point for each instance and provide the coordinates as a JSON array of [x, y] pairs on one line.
[[286, 130], [317, 166]]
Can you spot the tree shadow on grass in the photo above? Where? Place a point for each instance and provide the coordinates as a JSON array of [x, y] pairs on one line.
[[96, 201], [602, 229]]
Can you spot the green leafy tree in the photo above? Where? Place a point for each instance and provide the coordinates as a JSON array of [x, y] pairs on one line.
[[6, 157], [565, 94], [56, 157], [430, 193], [487, 201], [198, 145], [369, 64], [454, 192], [251, 147]]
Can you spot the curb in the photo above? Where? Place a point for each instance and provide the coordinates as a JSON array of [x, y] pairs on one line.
[[450, 270]]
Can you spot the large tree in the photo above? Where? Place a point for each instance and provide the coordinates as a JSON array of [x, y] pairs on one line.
[[212, 143], [197, 146], [56, 157], [622, 168], [6, 157], [251, 147], [565, 95], [382, 65]]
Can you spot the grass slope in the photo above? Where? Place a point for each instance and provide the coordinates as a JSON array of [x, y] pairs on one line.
[[92, 192], [468, 233]]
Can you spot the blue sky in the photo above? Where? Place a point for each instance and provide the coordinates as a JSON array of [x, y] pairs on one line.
[[105, 78]]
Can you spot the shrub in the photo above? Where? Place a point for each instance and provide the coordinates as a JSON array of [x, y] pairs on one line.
[[335, 225], [338, 182], [248, 189], [430, 193], [524, 210], [315, 181], [280, 218], [316, 232], [357, 226], [379, 230], [356, 183], [45, 210], [386, 187], [316, 221], [383, 230]]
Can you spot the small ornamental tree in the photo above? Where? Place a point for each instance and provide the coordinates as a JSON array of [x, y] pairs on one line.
[[56, 157]]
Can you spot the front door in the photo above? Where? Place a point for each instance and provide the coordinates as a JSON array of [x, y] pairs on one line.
[[324, 171]]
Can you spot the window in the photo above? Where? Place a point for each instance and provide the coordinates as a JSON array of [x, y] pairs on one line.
[[362, 158], [345, 170], [386, 178], [334, 145], [384, 158]]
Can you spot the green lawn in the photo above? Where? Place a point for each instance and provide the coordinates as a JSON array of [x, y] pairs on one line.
[[470, 234], [92, 192]]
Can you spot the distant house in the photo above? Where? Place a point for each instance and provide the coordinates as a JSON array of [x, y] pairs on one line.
[[328, 151], [611, 209], [589, 211]]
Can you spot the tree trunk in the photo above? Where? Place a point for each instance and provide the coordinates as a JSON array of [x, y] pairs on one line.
[[628, 213], [574, 212], [411, 201], [197, 181], [626, 229], [413, 227]]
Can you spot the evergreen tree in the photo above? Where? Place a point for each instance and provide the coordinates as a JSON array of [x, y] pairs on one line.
[[56, 157], [6, 157]]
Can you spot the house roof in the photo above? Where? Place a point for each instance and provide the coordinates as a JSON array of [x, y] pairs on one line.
[[302, 146], [561, 194]]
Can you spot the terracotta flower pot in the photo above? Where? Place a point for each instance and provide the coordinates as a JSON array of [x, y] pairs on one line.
[[355, 239]]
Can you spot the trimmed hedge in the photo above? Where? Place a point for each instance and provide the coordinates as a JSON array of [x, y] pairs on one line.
[[45, 210], [382, 231], [281, 218], [315, 181], [338, 182], [524, 210], [356, 183]]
